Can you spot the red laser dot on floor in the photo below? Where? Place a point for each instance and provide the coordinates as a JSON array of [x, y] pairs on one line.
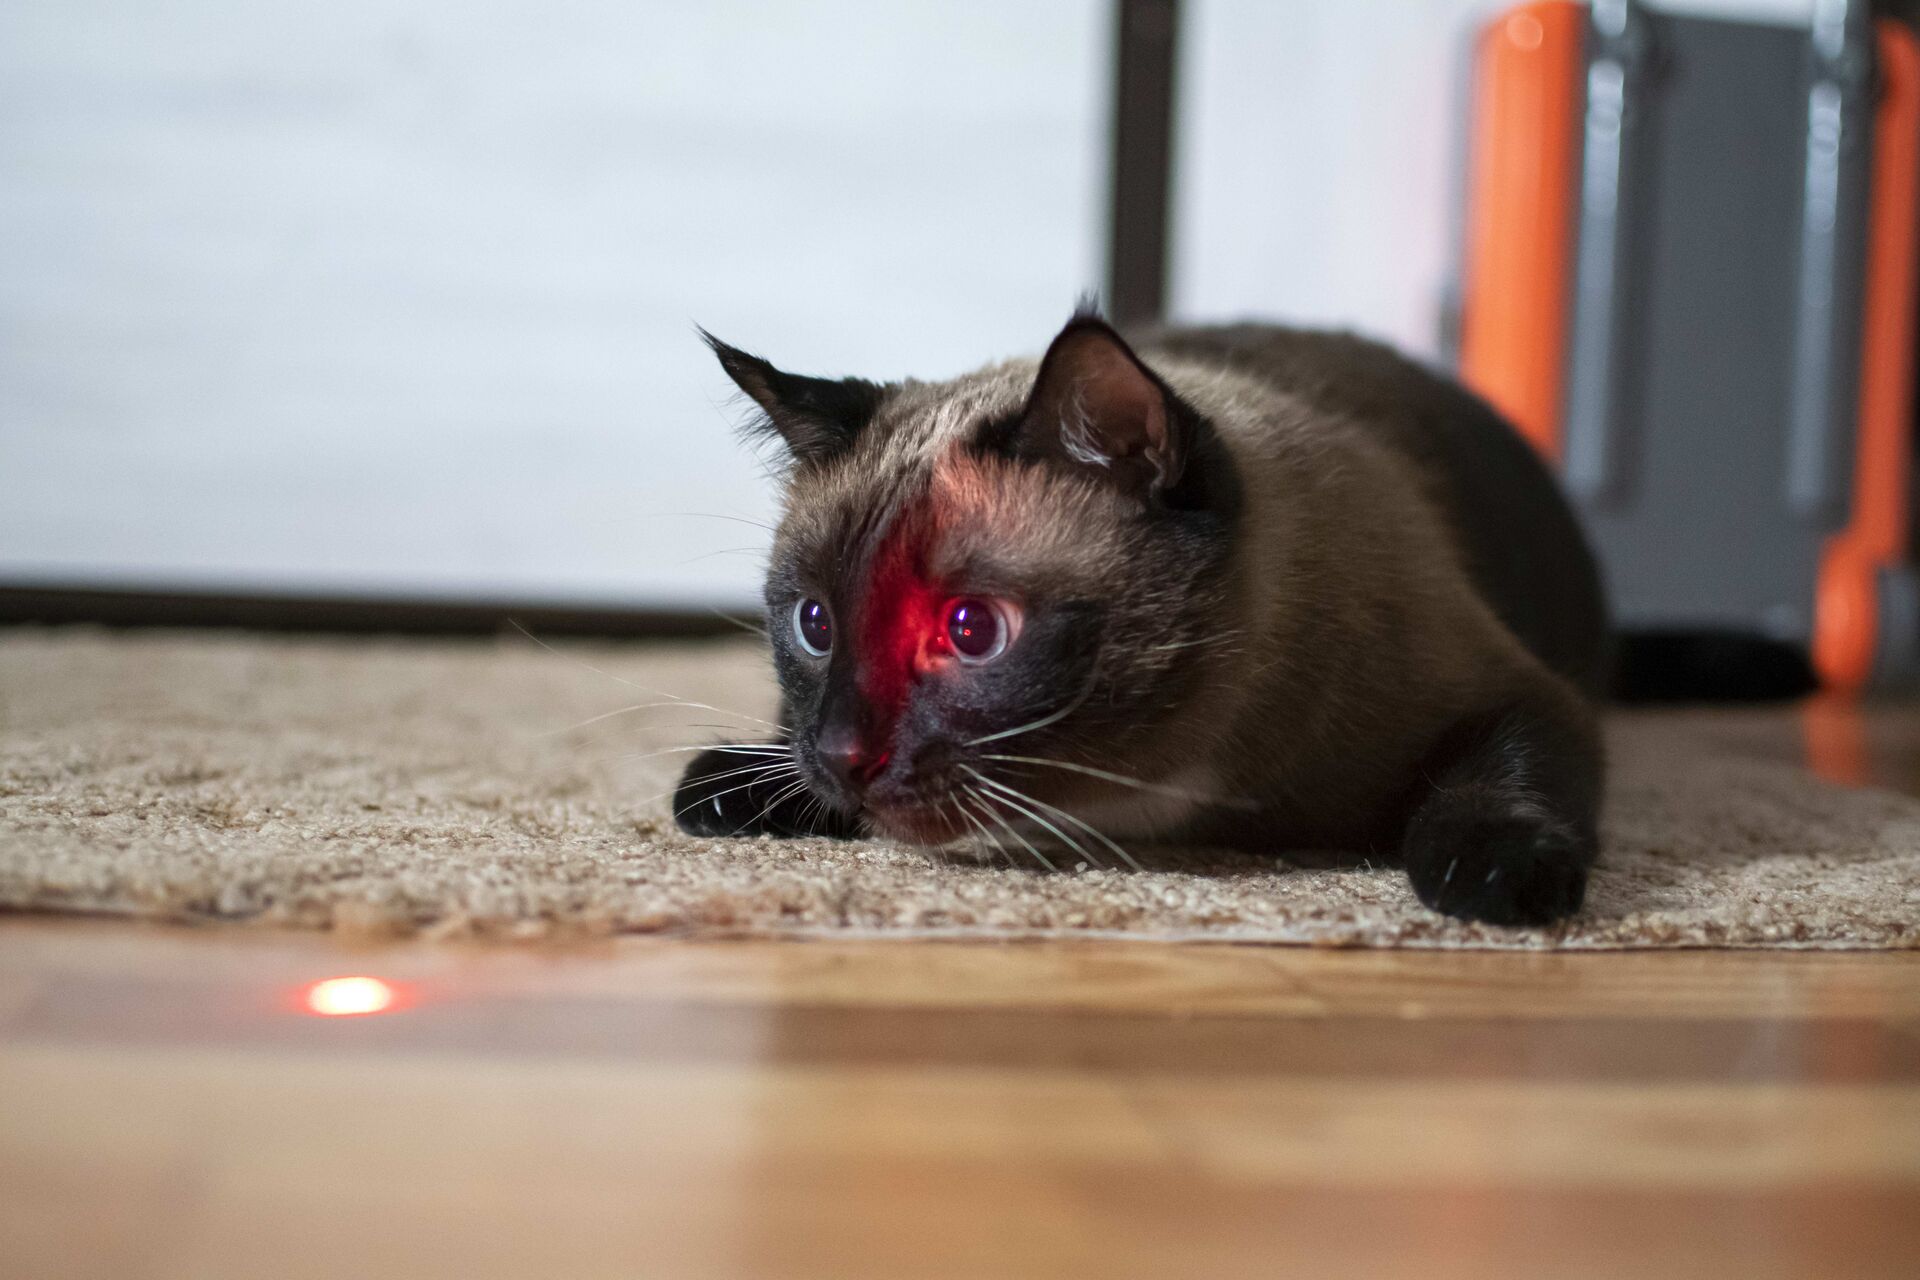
[[348, 997]]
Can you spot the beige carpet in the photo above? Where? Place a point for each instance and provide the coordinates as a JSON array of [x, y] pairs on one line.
[[395, 786]]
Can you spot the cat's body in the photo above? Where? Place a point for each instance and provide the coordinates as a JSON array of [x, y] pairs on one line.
[[1301, 595]]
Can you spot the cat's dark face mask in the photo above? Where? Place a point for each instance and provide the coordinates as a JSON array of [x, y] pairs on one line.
[[972, 625], [910, 660]]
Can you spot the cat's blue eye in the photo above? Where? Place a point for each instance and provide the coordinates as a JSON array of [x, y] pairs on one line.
[[979, 630], [813, 627]]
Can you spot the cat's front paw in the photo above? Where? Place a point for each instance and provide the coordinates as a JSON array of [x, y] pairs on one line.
[[730, 791], [1514, 868]]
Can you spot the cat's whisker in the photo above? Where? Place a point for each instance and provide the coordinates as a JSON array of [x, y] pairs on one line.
[[946, 848], [815, 811], [1077, 821], [1018, 801], [752, 768], [1009, 798], [773, 774], [759, 776], [785, 794], [771, 771], [652, 693], [741, 772], [712, 515], [988, 841], [1026, 843], [729, 748], [1056, 717], [648, 706], [985, 839], [1197, 643], [1120, 779], [724, 748], [953, 802], [749, 783], [993, 841], [723, 551], [752, 629]]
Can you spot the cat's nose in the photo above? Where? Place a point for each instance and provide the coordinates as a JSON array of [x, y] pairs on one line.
[[843, 754]]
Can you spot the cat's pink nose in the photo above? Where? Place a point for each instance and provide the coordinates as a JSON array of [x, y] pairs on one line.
[[846, 757]]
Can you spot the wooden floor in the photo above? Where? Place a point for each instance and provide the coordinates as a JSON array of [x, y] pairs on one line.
[[172, 1106]]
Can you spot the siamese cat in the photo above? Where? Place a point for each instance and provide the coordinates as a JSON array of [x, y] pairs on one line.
[[1247, 586]]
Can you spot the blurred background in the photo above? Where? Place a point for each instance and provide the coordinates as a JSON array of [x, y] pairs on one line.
[[395, 300]]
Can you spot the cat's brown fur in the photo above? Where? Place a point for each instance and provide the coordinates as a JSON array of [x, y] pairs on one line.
[[1306, 597]]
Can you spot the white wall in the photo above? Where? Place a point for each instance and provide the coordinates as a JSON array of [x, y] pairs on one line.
[[397, 296]]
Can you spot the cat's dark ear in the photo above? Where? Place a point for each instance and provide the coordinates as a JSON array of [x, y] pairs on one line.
[[816, 417], [1096, 406]]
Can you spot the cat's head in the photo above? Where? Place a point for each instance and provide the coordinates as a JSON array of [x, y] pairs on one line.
[[1030, 561]]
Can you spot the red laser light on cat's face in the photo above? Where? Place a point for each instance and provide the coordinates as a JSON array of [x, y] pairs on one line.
[[350, 997], [899, 622]]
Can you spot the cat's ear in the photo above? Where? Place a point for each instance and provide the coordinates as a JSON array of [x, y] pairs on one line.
[[816, 417], [1096, 406]]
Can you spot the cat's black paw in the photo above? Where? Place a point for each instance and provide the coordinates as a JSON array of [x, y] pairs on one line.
[[731, 791], [1511, 866]]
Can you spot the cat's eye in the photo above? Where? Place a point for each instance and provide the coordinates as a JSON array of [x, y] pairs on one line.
[[980, 630], [813, 627]]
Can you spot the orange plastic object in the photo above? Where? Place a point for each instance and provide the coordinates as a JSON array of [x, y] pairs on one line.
[[1846, 618], [1524, 158]]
